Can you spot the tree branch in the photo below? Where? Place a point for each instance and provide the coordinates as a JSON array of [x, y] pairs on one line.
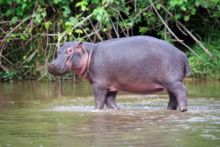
[[8, 34], [172, 33], [187, 31]]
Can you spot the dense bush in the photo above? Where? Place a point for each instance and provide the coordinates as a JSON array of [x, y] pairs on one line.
[[31, 31], [208, 67]]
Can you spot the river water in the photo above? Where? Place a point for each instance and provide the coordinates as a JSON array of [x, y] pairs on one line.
[[44, 114]]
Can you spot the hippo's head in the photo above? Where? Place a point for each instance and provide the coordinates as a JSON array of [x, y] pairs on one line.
[[70, 57]]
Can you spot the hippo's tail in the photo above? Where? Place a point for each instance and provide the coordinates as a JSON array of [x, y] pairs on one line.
[[186, 69]]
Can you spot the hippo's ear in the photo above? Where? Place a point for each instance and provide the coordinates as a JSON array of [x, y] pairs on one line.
[[79, 45]]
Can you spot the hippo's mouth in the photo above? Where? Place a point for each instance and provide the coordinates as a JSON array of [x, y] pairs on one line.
[[57, 70]]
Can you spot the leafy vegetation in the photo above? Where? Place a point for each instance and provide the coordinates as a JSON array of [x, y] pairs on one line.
[[208, 67], [31, 31]]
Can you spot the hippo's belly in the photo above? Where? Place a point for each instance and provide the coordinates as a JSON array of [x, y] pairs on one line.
[[145, 88]]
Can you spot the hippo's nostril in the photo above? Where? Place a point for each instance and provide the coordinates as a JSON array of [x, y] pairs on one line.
[[56, 68], [52, 65], [49, 66]]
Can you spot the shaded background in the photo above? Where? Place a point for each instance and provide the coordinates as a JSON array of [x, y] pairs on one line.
[[31, 31]]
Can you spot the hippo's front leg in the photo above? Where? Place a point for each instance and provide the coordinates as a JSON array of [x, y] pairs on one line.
[[110, 100], [100, 93]]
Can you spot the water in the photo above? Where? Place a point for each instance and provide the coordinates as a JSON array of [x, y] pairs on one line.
[[40, 114]]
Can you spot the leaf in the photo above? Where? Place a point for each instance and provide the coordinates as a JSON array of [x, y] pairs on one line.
[[177, 16], [143, 30], [57, 1], [9, 12], [23, 36], [197, 3], [95, 1], [83, 5], [73, 20], [2, 1], [42, 2], [101, 15], [105, 3], [66, 11], [186, 18], [78, 31], [14, 19], [19, 11], [23, 6], [158, 6], [44, 13], [37, 18], [182, 7], [60, 36], [47, 24]]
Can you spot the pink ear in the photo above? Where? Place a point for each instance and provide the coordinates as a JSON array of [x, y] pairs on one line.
[[79, 45]]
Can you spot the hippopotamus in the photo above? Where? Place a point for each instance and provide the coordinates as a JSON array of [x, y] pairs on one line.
[[138, 64]]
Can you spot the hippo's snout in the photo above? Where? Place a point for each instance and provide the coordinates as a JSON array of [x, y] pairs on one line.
[[56, 69], [52, 68], [52, 65]]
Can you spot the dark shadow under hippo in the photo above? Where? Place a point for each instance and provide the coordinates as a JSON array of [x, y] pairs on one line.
[[139, 64]]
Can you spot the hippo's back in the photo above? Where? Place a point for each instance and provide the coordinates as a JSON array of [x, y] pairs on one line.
[[138, 42], [137, 60]]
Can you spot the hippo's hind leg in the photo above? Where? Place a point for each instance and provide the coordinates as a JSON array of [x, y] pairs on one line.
[[100, 93], [172, 104], [180, 92], [110, 100]]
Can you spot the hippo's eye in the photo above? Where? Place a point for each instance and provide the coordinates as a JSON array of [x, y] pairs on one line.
[[69, 51]]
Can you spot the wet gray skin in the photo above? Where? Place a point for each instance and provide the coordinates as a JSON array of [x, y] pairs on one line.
[[58, 66], [42, 114], [139, 64]]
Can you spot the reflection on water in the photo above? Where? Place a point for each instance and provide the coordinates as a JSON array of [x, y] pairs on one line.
[[42, 114]]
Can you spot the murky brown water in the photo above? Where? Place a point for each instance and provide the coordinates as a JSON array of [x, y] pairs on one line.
[[40, 114]]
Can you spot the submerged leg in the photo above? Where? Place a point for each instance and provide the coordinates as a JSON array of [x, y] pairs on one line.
[[172, 104], [110, 100], [100, 96], [181, 93]]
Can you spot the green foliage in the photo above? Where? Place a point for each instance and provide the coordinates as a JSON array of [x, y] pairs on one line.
[[83, 5], [210, 67], [101, 15], [31, 31], [8, 75]]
